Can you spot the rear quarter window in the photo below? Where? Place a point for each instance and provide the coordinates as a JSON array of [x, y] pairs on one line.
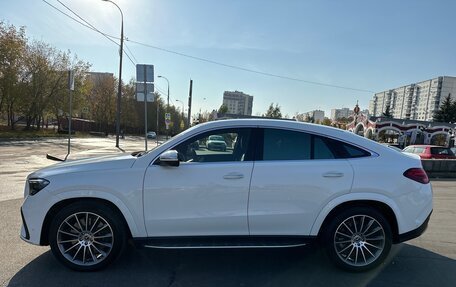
[[345, 150]]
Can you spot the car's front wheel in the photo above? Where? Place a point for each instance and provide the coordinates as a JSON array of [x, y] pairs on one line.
[[87, 236], [358, 238]]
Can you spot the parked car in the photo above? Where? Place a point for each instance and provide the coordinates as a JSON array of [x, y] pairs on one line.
[[284, 184], [216, 142], [431, 151], [151, 135]]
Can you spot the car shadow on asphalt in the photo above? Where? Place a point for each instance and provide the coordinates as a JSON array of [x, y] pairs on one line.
[[407, 265]]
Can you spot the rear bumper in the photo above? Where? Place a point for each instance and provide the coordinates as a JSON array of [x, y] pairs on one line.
[[415, 232]]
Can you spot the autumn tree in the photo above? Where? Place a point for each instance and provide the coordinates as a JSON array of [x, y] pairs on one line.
[[102, 100], [34, 77], [13, 45], [46, 88], [326, 122]]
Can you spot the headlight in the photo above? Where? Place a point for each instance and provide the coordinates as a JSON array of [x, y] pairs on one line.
[[37, 184]]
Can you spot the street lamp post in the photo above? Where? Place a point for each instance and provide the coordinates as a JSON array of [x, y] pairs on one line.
[[119, 89], [167, 105], [182, 110], [199, 117]]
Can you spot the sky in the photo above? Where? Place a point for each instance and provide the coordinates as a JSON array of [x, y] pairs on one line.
[[365, 45]]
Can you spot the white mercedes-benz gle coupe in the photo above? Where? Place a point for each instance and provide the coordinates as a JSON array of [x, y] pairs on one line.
[[278, 183]]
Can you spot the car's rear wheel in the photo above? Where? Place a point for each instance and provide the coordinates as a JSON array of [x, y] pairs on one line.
[[358, 238], [85, 236]]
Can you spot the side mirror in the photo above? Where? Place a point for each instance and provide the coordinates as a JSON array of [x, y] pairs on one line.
[[169, 158]]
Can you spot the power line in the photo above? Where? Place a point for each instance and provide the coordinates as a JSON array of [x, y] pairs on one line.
[[90, 26], [74, 19], [131, 52], [86, 24], [107, 36], [248, 70]]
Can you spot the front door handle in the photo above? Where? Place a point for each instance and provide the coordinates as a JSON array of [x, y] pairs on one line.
[[333, 174], [233, 175]]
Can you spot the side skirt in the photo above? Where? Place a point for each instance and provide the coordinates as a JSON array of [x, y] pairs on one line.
[[192, 242]]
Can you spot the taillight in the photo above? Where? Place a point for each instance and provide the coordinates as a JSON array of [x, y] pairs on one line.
[[417, 174]]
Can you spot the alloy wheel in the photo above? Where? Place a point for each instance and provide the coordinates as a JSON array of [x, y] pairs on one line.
[[359, 240], [85, 238]]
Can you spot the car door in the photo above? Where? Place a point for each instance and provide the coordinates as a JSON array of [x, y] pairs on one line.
[[296, 174], [206, 194]]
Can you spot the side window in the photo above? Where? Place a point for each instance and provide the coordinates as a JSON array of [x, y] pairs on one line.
[[441, 150], [322, 148], [216, 146], [409, 149], [353, 152], [286, 145], [418, 150], [292, 145], [343, 150]]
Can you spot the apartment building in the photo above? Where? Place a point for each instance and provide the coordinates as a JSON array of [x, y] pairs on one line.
[[238, 103], [417, 101]]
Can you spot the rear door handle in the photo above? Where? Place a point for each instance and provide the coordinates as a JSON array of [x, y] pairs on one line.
[[333, 174], [233, 175]]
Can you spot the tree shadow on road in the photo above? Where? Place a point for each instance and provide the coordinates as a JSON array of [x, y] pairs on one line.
[[407, 265]]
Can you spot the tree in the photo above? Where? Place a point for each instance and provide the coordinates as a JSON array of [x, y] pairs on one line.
[[102, 100], [223, 109], [130, 120], [387, 113], [33, 78], [326, 122], [447, 111], [13, 43], [46, 89], [273, 112]]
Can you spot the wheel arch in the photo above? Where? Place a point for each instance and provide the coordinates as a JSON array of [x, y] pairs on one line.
[[44, 237], [380, 206]]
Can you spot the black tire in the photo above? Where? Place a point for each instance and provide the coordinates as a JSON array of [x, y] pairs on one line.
[[99, 248], [363, 227]]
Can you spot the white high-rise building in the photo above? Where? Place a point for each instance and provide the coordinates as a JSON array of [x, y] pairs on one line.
[[341, 113], [416, 101], [315, 115], [238, 103]]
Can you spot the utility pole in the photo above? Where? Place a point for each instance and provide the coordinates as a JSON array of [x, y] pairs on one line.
[[156, 102], [119, 89], [167, 110], [70, 118], [167, 106], [145, 107], [190, 102]]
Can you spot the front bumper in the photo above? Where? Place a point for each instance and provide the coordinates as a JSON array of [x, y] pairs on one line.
[[414, 233], [24, 230], [33, 212]]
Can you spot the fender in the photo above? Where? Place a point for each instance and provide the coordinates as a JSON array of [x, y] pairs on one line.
[[136, 230], [355, 197]]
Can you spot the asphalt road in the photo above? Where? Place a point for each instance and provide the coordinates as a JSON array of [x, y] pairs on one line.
[[426, 261], [18, 158]]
